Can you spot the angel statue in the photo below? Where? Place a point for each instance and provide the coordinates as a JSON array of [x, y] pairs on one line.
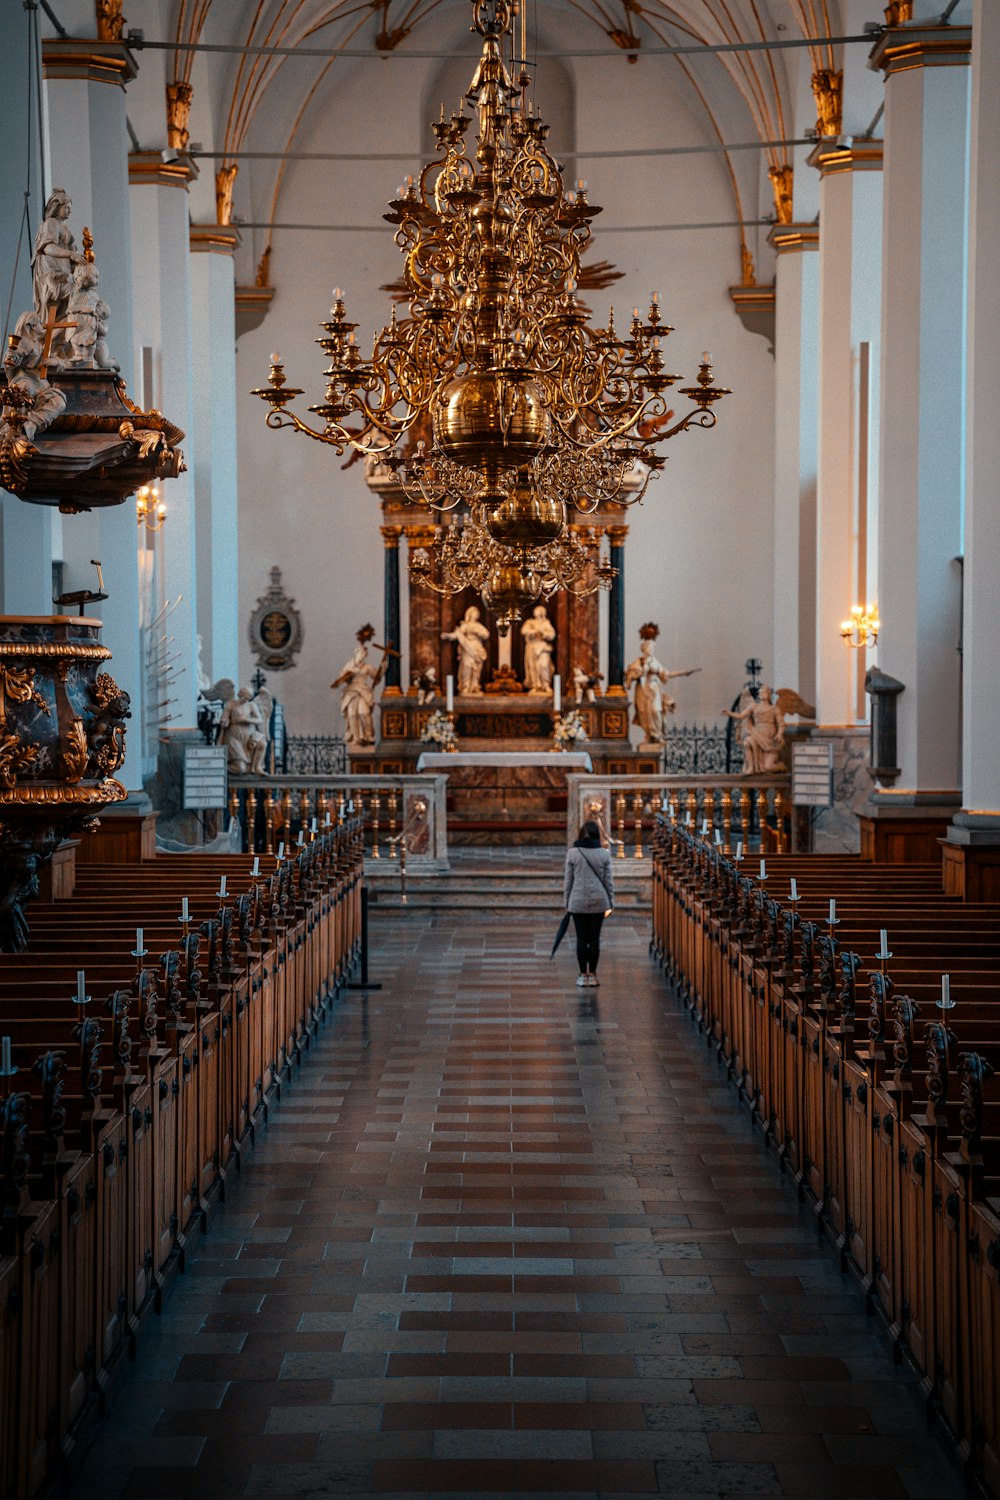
[[243, 731], [761, 726], [31, 403]]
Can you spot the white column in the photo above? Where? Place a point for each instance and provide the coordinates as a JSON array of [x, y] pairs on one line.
[[981, 626], [795, 384], [850, 276], [26, 546], [163, 332], [88, 148], [923, 396], [215, 481]]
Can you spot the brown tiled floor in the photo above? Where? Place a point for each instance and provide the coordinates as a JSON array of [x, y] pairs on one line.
[[506, 1237]]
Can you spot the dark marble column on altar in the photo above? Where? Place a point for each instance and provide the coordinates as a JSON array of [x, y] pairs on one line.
[[616, 612], [425, 613], [393, 636]]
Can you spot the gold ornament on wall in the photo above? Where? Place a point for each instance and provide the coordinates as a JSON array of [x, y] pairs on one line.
[[828, 91], [110, 21], [898, 11], [225, 181], [179, 96], [782, 179]]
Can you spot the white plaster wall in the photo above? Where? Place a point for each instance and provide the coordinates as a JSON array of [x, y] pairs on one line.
[[698, 558]]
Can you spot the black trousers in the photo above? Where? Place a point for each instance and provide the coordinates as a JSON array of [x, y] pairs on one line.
[[588, 939]]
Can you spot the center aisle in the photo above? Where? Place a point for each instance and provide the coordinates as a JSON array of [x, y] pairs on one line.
[[503, 1236]]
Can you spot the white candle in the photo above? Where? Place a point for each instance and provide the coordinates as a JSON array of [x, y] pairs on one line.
[[704, 825], [6, 1055], [256, 865], [222, 885], [718, 835], [281, 850], [350, 806], [81, 987], [671, 809], [556, 693], [763, 870], [795, 889], [945, 989], [327, 821], [449, 690], [138, 940], [739, 849], [313, 826], [833, 910], [185, 916], [883, 943], [302, 837]]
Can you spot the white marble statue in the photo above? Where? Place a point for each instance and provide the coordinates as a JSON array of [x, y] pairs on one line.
[[359, 678], [53, 261], [426, 684], [22, 364], [243, 732], [470, 636], [90, 313], [762, 723], [652, 702], [585, 685], [538, 634]]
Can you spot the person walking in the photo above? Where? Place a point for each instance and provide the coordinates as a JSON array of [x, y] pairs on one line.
[[589, 894]]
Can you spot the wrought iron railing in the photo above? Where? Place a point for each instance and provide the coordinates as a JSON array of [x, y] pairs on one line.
[[702, 750]]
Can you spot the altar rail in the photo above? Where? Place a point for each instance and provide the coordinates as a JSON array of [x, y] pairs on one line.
[[403, 818], [888, 1119], [125, 1108], [752, 811]]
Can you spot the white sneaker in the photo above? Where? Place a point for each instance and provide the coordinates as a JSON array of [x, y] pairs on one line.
[[582, 981], [593, 980]]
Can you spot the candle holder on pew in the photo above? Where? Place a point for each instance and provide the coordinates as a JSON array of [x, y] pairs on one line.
[[945, 1003], [81, 999], [8, 1067]]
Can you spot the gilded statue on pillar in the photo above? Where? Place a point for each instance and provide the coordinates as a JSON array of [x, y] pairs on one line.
[[179, 96], [225, 182], [782, 179], [828, 91]]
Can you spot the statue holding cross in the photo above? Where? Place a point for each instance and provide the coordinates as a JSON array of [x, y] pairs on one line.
[[53, 262], [30, 403]]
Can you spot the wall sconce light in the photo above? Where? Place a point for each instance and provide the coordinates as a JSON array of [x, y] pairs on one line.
[[863, 626], [150, 510]]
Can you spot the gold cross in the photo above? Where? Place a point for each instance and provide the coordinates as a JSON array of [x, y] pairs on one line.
[[51, 327]]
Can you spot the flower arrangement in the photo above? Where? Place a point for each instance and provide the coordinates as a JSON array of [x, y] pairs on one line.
[[439, 730], [568, 729]]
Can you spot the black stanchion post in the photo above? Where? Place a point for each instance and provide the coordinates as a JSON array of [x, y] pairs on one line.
[[364, 983]]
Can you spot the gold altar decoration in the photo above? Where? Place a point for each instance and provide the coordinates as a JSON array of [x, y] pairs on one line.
[[495, 348]]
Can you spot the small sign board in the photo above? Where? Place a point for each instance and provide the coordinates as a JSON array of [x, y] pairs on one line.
[[812, 774], [205, 777]]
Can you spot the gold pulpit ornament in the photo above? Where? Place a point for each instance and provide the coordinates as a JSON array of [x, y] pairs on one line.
[[525, 397]]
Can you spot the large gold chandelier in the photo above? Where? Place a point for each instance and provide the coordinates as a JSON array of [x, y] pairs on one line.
[[531, 407]]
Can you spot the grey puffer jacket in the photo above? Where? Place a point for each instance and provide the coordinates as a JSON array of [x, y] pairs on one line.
[[589, 885]]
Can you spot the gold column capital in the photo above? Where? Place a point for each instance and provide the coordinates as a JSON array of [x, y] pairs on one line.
[[419, 535], [617, 535], [847, 154], [793, 239], [214, 239], [391, 535], [86, 57], [149, 167], [902, 48]]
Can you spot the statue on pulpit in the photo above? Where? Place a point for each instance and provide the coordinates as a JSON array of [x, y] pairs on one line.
[[538, 634], [470, 636], [54, 259], [31, 403], [652, 702]]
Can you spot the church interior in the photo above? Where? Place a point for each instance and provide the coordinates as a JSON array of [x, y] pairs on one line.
[[499, 786]]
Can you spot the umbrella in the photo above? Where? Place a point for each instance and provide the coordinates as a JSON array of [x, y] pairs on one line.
[[560, 934]]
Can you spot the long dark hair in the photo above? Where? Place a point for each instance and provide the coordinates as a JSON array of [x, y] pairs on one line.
[[590, 834]]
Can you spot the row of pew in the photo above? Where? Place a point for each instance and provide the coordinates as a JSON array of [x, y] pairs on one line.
[[879, 1098], [139, 1069]]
